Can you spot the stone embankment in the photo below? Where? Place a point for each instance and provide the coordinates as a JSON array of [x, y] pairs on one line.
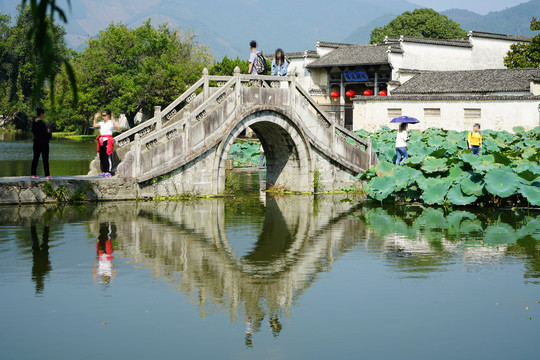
[[25, 190]]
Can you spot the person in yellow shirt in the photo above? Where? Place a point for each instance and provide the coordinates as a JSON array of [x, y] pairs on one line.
[[474, 140]]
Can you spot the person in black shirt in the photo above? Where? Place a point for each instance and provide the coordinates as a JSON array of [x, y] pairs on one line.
[[42, 135]]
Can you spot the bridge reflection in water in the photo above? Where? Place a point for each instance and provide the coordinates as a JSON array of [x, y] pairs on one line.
[[193, 246]]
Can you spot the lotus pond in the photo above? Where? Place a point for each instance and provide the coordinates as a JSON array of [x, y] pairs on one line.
[[441, 170]]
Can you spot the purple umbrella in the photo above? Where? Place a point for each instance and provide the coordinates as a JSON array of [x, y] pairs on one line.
[[405, 119]]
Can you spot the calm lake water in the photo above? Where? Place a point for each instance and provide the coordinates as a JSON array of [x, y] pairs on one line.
[[65, 157], [262, 277]]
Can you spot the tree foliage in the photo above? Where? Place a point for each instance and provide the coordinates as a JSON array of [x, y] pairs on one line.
[[20, 64], [129, 70], [525, 55], [226, 66], [422, 23], [42, 40]]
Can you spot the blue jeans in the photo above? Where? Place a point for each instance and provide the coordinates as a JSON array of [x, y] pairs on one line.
[[475, 150], [401, 152]]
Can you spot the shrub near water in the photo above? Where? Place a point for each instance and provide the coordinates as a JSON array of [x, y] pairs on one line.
[[441, 169]]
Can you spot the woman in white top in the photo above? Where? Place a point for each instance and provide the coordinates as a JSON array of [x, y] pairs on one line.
[[401, 143], [105, 141]]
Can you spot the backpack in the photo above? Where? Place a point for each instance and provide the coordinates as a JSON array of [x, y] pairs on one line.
[[261, 66]]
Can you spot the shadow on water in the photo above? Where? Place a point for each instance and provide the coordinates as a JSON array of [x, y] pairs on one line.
[[253, 259]]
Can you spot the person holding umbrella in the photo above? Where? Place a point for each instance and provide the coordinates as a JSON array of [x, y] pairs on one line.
[[402, 137]]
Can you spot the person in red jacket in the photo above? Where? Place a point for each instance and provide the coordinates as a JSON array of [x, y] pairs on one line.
[[42, 136], [105, 141]]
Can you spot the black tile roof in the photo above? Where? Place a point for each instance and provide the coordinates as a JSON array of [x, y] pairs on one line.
[[422, 40], [472, 81], [354, 55], [488, 35], [330, 44]]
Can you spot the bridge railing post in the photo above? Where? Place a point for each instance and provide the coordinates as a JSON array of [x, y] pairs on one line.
[[137, 165], [206, 84], [237, 88], [369, 151], [157, 116], [292, 90], [187, 116]]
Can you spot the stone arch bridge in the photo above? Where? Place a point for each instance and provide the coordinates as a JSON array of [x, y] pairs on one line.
[[183, 148]]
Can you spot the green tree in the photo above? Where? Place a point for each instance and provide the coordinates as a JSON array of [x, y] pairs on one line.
[[226, 66], [129, 70], [525, 55], [422, 23], [20, 62]]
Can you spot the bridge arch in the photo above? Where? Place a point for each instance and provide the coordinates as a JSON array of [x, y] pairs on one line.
[[288, 157]]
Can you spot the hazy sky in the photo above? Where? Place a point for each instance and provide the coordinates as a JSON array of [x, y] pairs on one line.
[[479, 6]]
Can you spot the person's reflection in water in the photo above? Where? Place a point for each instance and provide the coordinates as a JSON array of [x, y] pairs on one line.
[[103, 268], [275, 325], [41, 264]]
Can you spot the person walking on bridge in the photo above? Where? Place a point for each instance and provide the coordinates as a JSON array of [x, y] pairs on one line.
[[105, 141], [42, 136]]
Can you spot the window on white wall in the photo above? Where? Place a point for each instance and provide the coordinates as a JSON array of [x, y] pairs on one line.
[[472, 114], [394, 113], [432, 113]]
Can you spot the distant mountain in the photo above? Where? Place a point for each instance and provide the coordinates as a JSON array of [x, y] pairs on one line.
[[514, 20], [227, 26], [362, 35]]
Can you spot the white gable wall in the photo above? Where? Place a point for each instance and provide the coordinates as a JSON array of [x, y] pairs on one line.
[[436, 57], [490, 53]]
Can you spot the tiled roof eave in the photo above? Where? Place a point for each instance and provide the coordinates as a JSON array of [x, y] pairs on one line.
[[345, 65], [449, 98]]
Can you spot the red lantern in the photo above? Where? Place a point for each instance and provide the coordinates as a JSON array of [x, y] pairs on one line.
[[335, 95], [350, 94], [368, 92], [383, 93]]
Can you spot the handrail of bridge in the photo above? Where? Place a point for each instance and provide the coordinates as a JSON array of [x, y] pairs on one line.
[[338, 127], [150, 122], [214, 97]]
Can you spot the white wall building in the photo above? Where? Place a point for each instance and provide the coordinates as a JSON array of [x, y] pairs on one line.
[[445, 83]]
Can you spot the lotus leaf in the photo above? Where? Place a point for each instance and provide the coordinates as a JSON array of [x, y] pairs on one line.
[[381, 187], [435, 141], [501, 159], [531, 193], [518, 129], [472, 185], [502, 182], [405, 176], [456, 197], [456, 174], [414, 161], [490, 146], [527, 176], [432, 165], [384, 168], [434, 191], [499, 234], [471, 159], [529, 154], [439, 152]]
